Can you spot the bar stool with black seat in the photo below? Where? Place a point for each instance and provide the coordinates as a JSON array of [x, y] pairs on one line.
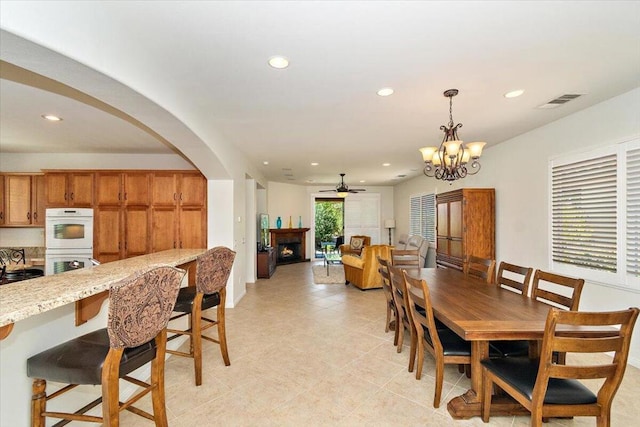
[[547, 389], [14, 261], [139, 308], [212, 272]]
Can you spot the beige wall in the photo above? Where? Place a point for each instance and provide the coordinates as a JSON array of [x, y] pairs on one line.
[[518, 170]]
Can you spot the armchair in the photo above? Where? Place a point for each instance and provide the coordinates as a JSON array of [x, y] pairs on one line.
[[355, 245], [362, 271]]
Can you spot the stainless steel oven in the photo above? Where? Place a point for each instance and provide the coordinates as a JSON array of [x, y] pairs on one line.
[[69, 228]]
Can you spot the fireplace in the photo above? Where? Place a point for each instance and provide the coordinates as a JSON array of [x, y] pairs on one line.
[[290, 244], [289, 252]]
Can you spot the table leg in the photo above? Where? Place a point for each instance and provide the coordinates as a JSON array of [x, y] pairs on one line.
[[470, 403]]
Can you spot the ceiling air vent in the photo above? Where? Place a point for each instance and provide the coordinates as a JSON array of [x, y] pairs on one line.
[[555, 103]]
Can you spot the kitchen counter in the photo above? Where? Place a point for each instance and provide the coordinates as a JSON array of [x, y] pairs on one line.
[[21, 300]]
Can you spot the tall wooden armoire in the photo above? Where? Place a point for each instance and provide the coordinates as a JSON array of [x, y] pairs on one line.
[[465, 225]]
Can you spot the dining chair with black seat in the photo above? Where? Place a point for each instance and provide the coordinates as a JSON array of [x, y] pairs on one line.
[[405, 258], [445, 346], [392, 316], [404, 314], [139, 309], [514, 278], [212, 273], [15, 264], [481, 268], [559, 291], [547, 389]]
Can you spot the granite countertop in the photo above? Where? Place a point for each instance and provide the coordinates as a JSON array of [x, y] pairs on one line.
[[27, 298]]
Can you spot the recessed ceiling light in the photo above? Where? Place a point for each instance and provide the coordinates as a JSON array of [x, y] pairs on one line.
[[514, 93], [385, 91], [278, 62], [265, 163], [362, 181], [386, 164], [51, 118], [314, 163]]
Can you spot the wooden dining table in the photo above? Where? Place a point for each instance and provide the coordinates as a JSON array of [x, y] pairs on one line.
[[480, 312]]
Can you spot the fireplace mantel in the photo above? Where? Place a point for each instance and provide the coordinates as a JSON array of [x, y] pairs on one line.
[[279, 235]]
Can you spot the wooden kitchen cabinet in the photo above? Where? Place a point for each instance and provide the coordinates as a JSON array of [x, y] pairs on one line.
[[23, 200], [179, 213], [74, 189], [465, 225], [2, 211], [122, 215]]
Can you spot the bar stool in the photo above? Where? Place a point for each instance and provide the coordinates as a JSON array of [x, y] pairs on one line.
[[139, 308], [212, 272]]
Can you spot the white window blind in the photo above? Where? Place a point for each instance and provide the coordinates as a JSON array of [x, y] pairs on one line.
[[362, 216], [422, 216], [584, 213], [595, 215], [633, 213]]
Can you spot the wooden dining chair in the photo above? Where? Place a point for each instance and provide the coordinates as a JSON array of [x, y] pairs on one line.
[[403, 312], [559, 291], [445, 346], [212, 273], [405, 258], [547, 389], [481, 268], [139, 309], [383, 269], [514, 278]]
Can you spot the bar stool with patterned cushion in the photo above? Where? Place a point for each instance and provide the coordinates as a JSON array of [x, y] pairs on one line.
[[212, 272], [139, 309]]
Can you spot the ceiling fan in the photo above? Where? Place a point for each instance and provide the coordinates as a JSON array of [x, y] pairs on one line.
[[343, 189]]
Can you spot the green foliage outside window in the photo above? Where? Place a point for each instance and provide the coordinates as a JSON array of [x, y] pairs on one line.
[[328, 221]]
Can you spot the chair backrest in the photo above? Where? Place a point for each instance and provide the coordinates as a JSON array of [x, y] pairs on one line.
[[569, 299], [418, 297], [12, 256], [405, 258], [514, 277], [140, 305], [480, 267], [383, 269], [400, 298], [618, 343], [213, 269]]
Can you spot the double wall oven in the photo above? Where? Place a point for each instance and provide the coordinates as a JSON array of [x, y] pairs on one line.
[[68, 239]]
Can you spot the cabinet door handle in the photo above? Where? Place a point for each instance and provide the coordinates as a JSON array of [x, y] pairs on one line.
[[125, 196], [181, 196], [65, 196], [175, 196], [71, 196], [35, 216], [174, 244], [1, 215], [28, 215], [119, 196]]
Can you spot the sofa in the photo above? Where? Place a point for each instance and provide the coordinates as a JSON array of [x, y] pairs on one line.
[[362, 271], [355, 245], [412, 242]]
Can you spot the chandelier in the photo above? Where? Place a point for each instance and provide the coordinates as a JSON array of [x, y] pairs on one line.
[[450, 161]]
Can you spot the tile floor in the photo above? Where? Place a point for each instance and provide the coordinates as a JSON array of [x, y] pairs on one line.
[[316, 355]]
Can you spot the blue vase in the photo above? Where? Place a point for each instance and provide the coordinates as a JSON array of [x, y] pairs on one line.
[[300, 222], [279, 222]]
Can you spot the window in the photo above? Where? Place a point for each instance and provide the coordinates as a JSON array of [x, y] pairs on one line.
[[422, 216], [595, 215]]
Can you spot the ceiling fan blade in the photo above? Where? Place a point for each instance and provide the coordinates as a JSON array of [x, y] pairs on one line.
[[355, 190], [325, 191]]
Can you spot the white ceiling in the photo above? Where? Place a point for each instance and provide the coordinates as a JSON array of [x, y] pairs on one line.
[[206, 62]]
